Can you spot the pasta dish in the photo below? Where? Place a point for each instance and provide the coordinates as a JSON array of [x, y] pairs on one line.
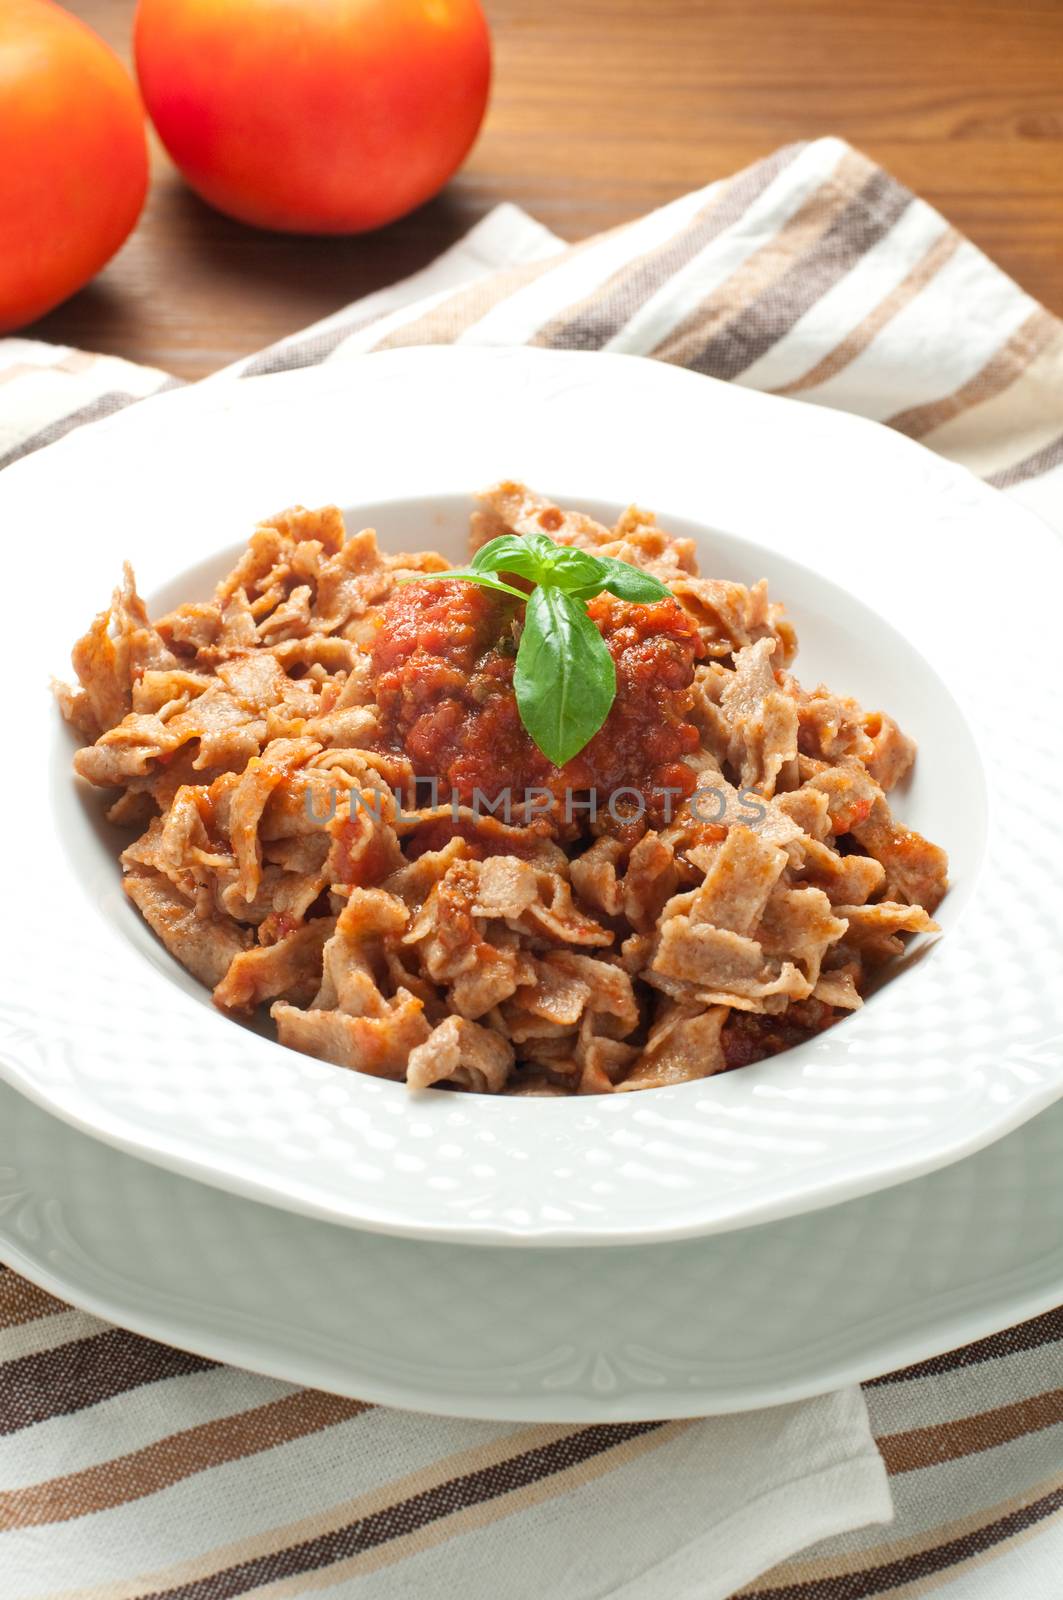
[[560, 821]]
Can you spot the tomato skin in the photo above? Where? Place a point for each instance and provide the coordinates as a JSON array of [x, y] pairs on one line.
[[334, 116], [74, 171]]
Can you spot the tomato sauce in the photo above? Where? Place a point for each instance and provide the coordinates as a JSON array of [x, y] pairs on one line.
[[747, 1037], [443, 665]]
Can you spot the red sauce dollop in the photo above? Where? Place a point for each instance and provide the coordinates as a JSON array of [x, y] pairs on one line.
[[747, 1037], [443, 665]]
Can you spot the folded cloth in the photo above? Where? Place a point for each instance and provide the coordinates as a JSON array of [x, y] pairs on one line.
[[127, 1469]]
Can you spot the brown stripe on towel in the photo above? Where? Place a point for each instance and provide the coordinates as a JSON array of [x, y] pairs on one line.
[[599, 316], [1031, 466], [856, 342], [444, 323], [1043, 1330], [21, 1301], [867, 217], [490, 1480], [724, 304], [1008, 364], [442, 1500], [902, 1575], [123, 1478], [104, 405], [947, 1441], [483, 1513], [82, 1373], [832, 1570]]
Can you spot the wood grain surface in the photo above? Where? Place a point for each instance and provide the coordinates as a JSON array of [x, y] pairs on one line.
[[604, 108]]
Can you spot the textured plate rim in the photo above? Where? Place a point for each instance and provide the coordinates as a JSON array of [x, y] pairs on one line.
[[293, 1362]]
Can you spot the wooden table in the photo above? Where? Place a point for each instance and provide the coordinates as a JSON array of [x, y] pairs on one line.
[[603, 108]]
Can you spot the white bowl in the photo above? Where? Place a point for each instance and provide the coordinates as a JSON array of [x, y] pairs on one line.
[[912, 586]]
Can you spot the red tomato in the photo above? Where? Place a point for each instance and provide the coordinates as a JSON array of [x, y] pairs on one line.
[[74, 166], [314, 116]]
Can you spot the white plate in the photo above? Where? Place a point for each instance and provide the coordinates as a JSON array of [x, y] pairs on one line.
[[687, 1328], [100, 1026]]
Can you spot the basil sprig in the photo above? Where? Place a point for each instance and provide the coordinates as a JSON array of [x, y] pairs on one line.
[[564, 678]]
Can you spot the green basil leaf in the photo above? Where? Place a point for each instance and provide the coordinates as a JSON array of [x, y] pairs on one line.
[[466, 575], [507, 553], [564, 678], [544, 547], [631, 583], [571, 569]]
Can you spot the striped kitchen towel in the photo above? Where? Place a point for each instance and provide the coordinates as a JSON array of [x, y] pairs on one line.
[[128, 1470]]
